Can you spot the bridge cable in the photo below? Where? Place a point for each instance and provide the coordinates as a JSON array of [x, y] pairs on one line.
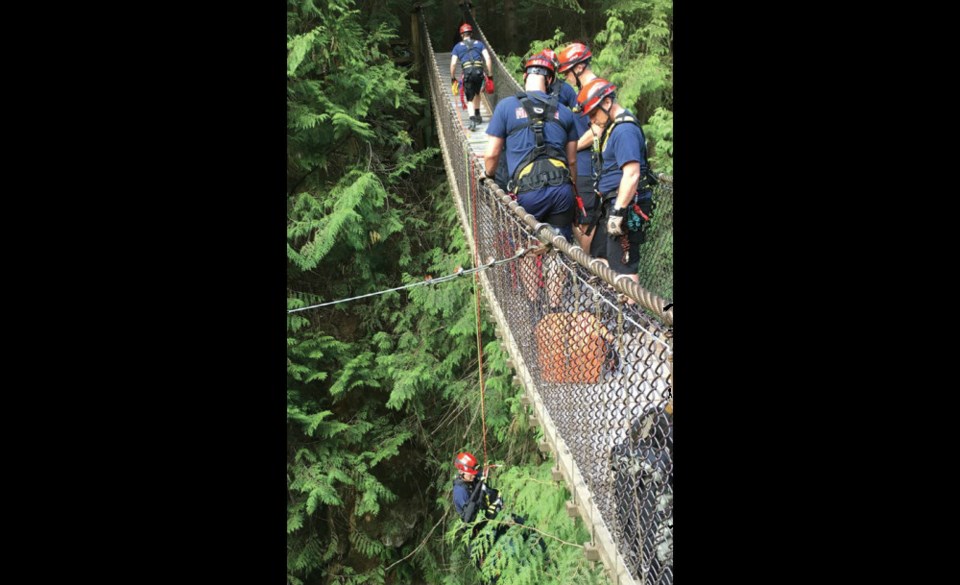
[[491, 262]]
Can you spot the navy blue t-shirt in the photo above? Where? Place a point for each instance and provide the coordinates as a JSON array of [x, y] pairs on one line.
[[461, 494], [461, 52], [568, 95], [584, 158], [510, 114], [625, 144]]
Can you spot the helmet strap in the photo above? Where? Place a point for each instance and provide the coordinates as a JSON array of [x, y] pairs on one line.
[[607, 112]]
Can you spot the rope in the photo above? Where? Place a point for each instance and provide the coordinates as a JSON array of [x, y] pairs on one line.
[[490, 264], [476, 295], [525, 527], [423, 542]]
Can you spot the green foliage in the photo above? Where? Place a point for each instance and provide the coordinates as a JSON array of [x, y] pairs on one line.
[[345, 95], [659, 131], [517, 557], [555, 43], [365, 213], [294, 517], [572, 5], [635, 51], [353, 192], [314, 422], [319, 221], [302, 554], [364, 544], [354, 375]]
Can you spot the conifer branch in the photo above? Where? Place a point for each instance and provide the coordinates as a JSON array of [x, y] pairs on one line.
[[423, 542]]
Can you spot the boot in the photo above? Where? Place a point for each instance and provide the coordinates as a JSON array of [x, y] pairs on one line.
[[472, 125]]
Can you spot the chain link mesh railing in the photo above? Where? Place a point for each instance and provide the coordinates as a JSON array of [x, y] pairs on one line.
[[656, 252], [593, 350]]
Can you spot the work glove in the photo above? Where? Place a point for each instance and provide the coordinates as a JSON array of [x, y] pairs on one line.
[[455, 87], [615, 221], [494, 507]]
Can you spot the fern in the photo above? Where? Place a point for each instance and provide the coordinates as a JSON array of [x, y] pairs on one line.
[[389, 448], [314, 425], [298, 47], [346, 381], [322, 492], [373, 493], [364, 544], [321, 230], [307, 554], [294, 517]]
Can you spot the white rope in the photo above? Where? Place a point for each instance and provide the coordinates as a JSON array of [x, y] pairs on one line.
[[438, 280]]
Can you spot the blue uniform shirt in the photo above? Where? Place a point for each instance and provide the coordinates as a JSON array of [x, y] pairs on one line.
[[461, 494], [461, 52], [510, 114], [584, 158], [624, 144], [568, 95]]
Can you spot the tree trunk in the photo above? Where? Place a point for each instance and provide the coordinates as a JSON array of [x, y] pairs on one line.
[[510, 20]]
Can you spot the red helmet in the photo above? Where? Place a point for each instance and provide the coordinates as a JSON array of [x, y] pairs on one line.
[[571, 55], [465, 27], [593, 93], [539, 61], [549, 54], [466, 463]]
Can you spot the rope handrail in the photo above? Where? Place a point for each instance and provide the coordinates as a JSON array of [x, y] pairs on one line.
[[620, 282]]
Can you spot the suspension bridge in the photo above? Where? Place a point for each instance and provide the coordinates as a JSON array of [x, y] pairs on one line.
[[594, 353]]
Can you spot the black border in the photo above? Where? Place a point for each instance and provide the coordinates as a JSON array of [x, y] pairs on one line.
[[204, 196]]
